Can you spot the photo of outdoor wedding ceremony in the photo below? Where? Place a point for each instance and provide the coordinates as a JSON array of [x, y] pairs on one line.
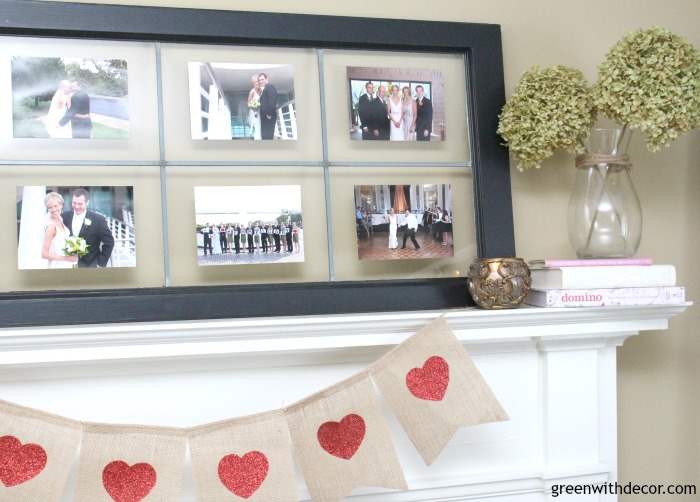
[[396, 104], [75, 227], [242, 101], [244, 225], [70, 98], [403, 222]]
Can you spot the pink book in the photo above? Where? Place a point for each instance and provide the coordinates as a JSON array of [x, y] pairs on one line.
[[593, 262]]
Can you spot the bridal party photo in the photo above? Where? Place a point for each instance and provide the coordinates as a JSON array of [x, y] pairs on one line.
[[247, 225], [70, 98], [396, 104], [242, 101], [403, 222], [68, 227]]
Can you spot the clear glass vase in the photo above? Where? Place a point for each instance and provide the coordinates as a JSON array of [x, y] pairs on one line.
[[605, 217]]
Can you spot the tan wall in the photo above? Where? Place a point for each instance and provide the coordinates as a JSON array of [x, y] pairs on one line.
[[659, 411]]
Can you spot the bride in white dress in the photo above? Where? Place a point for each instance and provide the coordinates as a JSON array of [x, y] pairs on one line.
[[56, 234], [396, 115], [254, 111], [393, 227], [59, 105]]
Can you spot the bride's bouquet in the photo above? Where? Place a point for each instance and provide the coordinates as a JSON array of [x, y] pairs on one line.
[[76, 246], [254, 104]]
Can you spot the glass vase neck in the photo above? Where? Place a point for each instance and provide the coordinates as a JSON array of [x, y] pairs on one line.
[[614, 141]]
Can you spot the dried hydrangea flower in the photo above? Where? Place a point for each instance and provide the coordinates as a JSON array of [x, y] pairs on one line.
[[650, 80], [551, 108]]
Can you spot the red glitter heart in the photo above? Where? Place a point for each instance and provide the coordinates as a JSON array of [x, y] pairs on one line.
[[128, 484], [243, 475], [18, 462], [429, 382], [342, 439]]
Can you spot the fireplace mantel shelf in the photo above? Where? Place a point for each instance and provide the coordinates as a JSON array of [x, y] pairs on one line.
[[478, 329]]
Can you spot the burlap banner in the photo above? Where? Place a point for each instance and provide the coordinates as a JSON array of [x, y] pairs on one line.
[[37, 452], [339, 437], [131, 464], [342, 441], [246, 458], [433, 387]]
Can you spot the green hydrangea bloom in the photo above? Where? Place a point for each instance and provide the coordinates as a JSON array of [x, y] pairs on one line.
[[551, 108], [650, 80]]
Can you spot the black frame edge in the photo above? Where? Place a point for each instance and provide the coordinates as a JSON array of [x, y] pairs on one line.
[[52, 308]]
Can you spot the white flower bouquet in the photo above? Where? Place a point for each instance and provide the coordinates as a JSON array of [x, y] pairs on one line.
[[76, 246], [254, 104]]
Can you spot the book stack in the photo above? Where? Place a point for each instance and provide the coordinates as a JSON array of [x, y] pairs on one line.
[[603, 282]]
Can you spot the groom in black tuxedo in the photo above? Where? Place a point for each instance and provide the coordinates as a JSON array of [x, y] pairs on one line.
[[90, 226], [382, 122], [268, 107], [79, 113], [424, 116], [368, 115]]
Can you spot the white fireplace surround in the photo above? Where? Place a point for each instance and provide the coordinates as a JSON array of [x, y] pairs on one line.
[[554, 371]]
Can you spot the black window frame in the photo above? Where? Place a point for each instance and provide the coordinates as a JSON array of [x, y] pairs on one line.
[[479, 43]]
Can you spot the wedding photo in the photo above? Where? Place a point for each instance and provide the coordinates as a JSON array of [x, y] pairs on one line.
[[75, 227], [403, 222], [396, 104], [70, 98], [245, 225], [242, 101]]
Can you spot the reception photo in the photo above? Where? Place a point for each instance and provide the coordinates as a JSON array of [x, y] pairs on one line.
[[403, 222], [244, 225], [70, 98], [75, 227], [242, 101], [396, 104]]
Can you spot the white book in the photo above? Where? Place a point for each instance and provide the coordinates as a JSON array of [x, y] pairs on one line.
[[604, 277], [605, 297]]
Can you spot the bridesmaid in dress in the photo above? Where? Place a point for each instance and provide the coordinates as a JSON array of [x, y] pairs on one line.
[[395, 115], [409, 114]]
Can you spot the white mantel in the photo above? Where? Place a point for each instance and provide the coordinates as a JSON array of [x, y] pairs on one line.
[[554, 371]]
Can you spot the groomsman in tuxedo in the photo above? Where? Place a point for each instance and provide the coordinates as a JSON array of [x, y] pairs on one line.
[[424, 115], [249, 238], [367, 112], [276, 233], [383, 124], [207, 232], [290, 246], [237, 239], [263, 238], [92, 227], [268, 107]]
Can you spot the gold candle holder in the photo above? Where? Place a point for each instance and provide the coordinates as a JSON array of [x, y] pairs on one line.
[[499, 283]]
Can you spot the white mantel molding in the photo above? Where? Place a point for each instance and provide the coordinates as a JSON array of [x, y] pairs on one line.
[[554, 371], [500, 330]]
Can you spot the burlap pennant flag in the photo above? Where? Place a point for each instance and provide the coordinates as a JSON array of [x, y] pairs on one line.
[[37, 452], [248, 458], [434, 388], [341, 440], [131, 464]]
